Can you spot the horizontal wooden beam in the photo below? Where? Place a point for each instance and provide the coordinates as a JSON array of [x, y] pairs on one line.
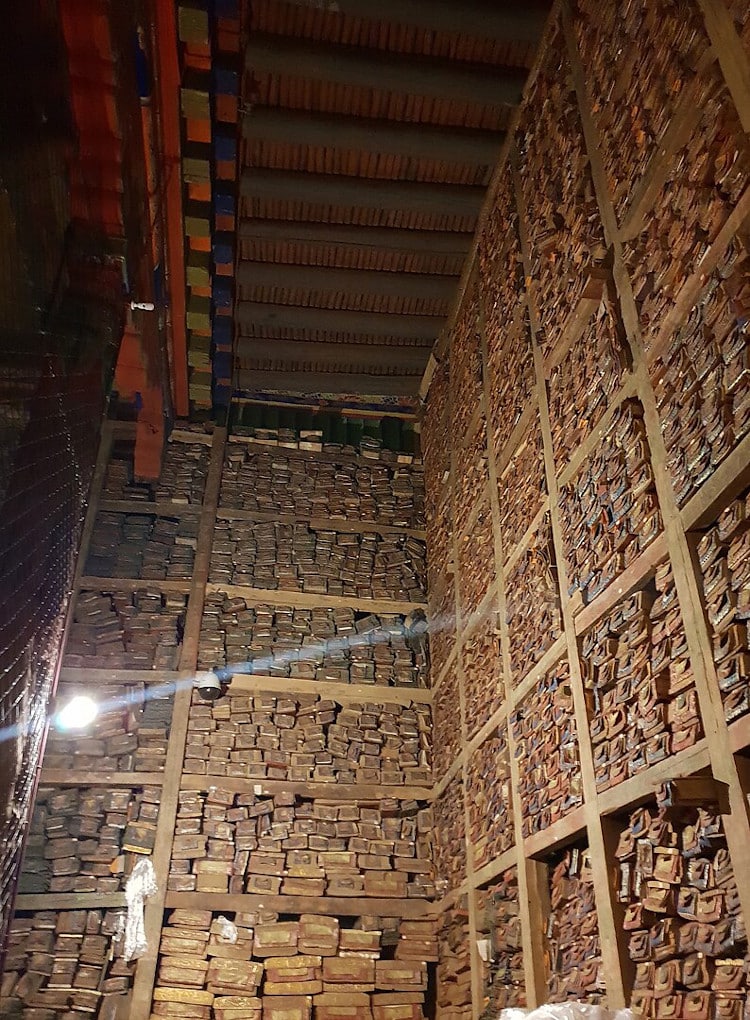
[[84, 777], [437, 242], [338, 322], [481, 20], [299, 353], [355, 66], [329, 279], [254, 683], [341, 905], [358, 792], [367, 134], [70, 901], [343, 192], [311, 600], [330, 382]]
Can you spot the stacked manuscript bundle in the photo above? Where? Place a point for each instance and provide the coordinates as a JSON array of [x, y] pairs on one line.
[[60, 964], [126, 630], [510, 366], [300, 846], [500, 924], [306, 486], [644, 56], [522, 487], [296, 557], [450, 849], [454, 968], [575, 962], [183, 473], [565, 229], [488, 798], [482, 667], [702, 380], [544, 732], [142, 545], [686, 933], [129, 734], [643, 702], [305, 737], [339, 645], [724, 559], [83, 839], [586, 378], [609, 512], [465, 363], [252, 964], [532, 602], [699, 189]]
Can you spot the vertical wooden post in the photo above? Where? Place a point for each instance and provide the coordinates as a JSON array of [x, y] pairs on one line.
[[145, 975]]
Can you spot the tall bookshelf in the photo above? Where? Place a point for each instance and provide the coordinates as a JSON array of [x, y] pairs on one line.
[[392, 892], [570, 351]]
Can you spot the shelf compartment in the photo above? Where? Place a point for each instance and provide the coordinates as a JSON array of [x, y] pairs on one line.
[[641, 694], [499, 924], [546, 748], [481, 667], [488, 799], [304, 738], [609, 511], [532, 602], [702, 379]]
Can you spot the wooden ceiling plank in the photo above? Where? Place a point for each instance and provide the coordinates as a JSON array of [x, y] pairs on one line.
[[439, 242], [361, 356], [381, 283], [376, 324], [406, 73], [340, 191], [374, 135], [329, 382], [474, 18]]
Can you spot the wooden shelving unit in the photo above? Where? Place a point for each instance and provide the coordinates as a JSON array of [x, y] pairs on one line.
[[177, 780], [594, 825]]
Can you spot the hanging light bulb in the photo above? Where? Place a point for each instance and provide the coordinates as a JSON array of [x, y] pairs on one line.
[[78, 713]]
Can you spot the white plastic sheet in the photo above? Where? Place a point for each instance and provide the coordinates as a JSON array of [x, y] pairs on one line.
[[566, 1011], [140, 885], [228, 929]]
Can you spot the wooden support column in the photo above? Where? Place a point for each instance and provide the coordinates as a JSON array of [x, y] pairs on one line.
[[532, 879], [613, 947], [145, 974]]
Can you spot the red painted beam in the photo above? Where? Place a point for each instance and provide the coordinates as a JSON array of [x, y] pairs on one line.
[[167, 93]]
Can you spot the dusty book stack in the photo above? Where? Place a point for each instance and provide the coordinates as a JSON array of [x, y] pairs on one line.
[[290, 845], [139, 629], [62, 963], [307, 737], [86, 840], [252, 964], [339, 644]]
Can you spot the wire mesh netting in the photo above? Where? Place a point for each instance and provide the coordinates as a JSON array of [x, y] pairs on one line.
[[60, 308]]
